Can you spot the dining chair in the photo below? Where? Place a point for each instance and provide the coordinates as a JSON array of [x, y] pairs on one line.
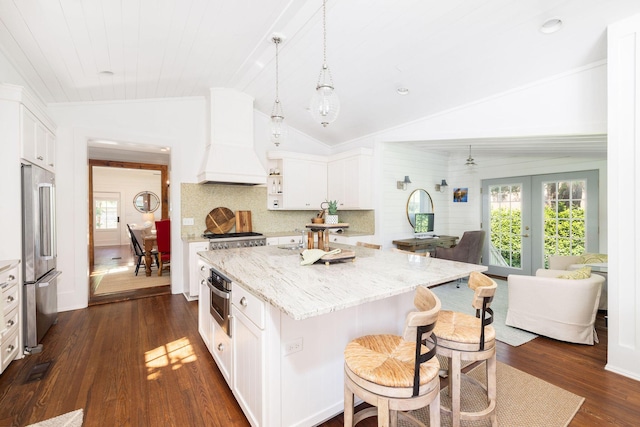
[[163, 238], [138, 251]]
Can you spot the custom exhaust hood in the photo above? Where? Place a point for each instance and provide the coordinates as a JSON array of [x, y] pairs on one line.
[[230, 157]]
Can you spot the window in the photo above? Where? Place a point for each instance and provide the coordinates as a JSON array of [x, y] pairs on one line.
[[106, 214]]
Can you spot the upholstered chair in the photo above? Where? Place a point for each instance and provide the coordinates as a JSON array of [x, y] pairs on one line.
[[468, 249], [574, 262], [549, 304], [163, 235], [396, 373]]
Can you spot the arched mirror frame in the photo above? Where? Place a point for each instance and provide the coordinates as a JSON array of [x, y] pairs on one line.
[[419, 201], [146, 201]]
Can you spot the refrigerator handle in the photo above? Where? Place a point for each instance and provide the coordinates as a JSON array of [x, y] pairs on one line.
[[47, 221]]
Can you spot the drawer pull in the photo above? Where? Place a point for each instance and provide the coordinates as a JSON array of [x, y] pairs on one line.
[[10, 348], [202, 267], [10, 323], [10, 298], [40, 158], [221, 347], [202, 282], [12, 277], [243, 301]]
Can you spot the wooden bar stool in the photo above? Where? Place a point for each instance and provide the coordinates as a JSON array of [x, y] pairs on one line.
[[396, 373], [463, 337]]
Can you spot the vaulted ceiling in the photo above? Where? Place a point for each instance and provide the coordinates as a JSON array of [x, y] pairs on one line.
[[446, 52]]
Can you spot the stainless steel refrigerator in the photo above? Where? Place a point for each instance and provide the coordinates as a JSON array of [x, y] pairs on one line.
[[39, 255]]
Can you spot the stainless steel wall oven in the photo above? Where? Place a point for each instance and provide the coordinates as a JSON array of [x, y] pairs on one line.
[[220, 306]]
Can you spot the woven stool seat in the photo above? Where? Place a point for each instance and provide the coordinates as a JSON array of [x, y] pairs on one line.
[[388, 361], [462, 337], [396, 373], [459, 331]]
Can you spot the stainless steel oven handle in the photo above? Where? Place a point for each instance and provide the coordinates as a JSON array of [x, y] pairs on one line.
[[219, 293]]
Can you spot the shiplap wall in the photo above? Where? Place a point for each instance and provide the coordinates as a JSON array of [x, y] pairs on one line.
[[428, 169]]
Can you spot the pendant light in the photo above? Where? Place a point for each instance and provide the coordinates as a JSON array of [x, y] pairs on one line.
[[470, 161], [278, 131], [325, 105]]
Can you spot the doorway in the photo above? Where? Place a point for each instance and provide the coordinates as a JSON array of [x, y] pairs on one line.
[[529, 218], [112, 257]]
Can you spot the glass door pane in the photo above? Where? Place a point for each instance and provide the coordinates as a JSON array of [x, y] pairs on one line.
[[505, 219]]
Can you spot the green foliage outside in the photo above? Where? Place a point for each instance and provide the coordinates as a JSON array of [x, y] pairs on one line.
[[564, 235]]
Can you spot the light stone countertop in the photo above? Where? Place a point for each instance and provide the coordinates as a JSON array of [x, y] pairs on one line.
[[276, 276]]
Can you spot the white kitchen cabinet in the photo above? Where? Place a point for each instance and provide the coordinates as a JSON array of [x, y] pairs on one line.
[[287, 240], [249, 354], [37, 141], [191, 273], [301, 183], [222, 351], [10, 316], [204, 316], [350, 178]]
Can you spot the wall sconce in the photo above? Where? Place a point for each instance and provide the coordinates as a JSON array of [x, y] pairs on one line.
[[442, 186], [402, 185]]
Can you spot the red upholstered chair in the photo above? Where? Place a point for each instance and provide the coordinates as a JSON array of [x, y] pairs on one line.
[[163, 236]]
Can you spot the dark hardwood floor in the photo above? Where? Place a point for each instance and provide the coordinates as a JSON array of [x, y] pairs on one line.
[[142, 363]]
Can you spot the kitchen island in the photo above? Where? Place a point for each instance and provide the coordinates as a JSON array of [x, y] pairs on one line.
[[290, 323]]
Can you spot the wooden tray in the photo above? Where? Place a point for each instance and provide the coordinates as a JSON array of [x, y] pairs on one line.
[[345, 255], [220, 220]]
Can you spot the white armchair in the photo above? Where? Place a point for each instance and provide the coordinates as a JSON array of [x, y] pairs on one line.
[[563, 309], [573, 262]]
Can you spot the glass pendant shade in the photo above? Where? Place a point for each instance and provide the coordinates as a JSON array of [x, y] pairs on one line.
[[325, 105], [278, 130]]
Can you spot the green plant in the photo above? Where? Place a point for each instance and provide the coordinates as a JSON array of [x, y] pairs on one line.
[[333, 207]]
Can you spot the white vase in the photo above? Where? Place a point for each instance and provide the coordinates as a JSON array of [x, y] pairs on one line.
[[331, 219]]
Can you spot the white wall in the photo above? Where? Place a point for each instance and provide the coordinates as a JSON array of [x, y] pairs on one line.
[[177, 123], [126, 183], [624, 180]]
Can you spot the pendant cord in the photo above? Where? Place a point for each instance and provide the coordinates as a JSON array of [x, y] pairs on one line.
[[324, 30]]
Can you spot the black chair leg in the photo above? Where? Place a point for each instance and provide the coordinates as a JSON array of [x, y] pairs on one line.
[[138, 264]]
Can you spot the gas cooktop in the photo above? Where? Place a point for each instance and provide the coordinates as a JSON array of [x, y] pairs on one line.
[[230, 235]]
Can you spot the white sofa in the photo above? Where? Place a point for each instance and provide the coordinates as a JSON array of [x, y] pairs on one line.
[[563, 309], [573, 262]]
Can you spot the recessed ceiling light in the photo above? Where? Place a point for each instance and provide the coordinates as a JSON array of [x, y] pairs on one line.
[[402, 91], [551, 26]]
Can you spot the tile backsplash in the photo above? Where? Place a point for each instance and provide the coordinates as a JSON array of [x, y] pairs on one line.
[[197, 200]]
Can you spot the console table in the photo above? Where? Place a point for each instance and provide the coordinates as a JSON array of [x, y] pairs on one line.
[[428, 245]]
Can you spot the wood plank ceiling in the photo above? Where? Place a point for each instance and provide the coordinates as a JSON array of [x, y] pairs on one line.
[[448, 53]]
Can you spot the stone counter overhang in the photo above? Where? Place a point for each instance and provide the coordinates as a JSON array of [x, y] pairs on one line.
[[276, 276]]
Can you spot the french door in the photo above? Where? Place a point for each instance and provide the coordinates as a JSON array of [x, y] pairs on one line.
[[528, 218]]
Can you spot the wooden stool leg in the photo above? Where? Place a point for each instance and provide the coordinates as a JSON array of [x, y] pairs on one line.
[[492, 386], [383, 413], [310, 240], [454, 390], [348, 406], [434, 411]]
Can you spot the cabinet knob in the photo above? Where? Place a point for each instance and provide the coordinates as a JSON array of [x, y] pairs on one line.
[[202, 282], [10, 298], [12, 277], [10, 323], [10, 348], [221, 347], [243, 301], [40, 158], [202, 267]]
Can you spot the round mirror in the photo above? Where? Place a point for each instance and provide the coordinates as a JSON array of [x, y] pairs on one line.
[[146, 201], [419, 202]]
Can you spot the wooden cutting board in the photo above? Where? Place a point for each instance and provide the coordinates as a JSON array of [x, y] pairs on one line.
[[220, 220], [243, 222]]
